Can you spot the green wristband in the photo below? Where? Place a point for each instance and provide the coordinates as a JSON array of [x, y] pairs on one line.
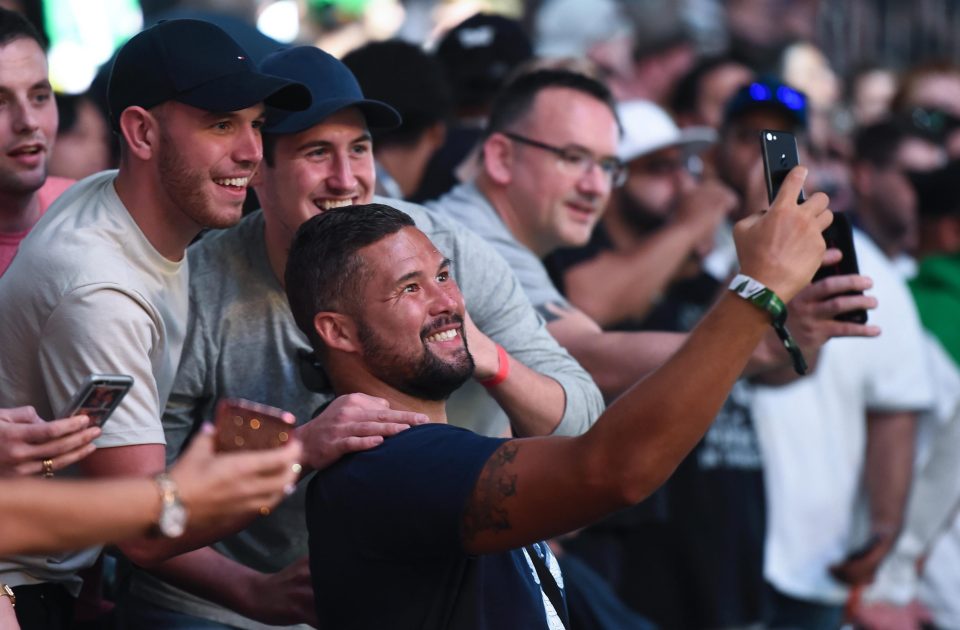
[[760, 296]]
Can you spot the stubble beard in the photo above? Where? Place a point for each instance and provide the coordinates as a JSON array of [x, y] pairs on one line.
[[186, 189]]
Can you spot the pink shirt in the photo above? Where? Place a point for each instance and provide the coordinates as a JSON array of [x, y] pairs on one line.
[[10, 241]]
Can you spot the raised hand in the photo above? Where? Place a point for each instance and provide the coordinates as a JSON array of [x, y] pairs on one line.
[[783, 247], [215, 486], [813, 309]]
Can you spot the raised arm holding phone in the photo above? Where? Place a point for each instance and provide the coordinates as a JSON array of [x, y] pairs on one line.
[[467, 511]]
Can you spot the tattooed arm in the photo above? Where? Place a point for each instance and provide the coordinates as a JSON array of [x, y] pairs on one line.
[[536, 488]]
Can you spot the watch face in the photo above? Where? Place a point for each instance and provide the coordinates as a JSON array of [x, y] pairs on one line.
[[173, 520]]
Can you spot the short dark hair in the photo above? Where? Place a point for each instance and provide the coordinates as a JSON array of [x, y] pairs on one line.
[[877, 144], [13, 26], [323, 260], [413, 82], [516, 98]]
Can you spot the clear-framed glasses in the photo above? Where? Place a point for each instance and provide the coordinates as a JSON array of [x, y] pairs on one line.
[[577, 160]]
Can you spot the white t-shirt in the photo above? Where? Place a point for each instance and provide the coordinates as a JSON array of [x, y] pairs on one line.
[[87, 293], [813, 436]]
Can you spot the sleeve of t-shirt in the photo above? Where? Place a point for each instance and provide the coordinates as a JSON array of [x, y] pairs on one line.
[[405, 498], [190, 399], [899, 378], [495, 298], [103, 330]]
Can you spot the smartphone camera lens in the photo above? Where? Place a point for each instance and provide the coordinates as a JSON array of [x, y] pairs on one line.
[[769, 136]]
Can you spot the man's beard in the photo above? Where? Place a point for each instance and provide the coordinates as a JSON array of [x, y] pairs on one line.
[[186, 189], [638, 217], [427, 377]]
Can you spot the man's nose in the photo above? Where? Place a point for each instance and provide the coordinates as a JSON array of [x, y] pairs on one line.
[[25, 118], [342, 176], [249, 147]]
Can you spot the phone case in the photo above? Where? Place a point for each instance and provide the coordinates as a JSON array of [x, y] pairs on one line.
[[246, 425], [99, 396]]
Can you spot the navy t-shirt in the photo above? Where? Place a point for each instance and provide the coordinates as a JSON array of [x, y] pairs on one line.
[[385, 549]]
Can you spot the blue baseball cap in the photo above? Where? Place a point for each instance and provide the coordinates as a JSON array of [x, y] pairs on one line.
[[196, 63], [768, 93], [332, 86]]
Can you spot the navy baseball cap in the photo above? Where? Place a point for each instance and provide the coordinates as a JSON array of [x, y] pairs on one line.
[[771, 93], [196, 63], [332, 86]]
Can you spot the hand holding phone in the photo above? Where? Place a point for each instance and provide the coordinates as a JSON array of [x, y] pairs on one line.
[[246, 425], [98, 397], [780, 155]]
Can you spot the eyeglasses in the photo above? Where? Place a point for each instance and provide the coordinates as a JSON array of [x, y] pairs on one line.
[[578, 161]]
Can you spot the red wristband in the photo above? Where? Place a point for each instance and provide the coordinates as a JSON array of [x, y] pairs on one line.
[[503, 371]]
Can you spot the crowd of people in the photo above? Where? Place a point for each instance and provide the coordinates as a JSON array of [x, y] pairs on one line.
[[558, 356]]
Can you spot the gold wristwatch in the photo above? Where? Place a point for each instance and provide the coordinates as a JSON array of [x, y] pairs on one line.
[[6, 591], [173, 515]]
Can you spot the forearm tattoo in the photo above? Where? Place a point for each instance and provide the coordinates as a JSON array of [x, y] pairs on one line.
[[497, 482]]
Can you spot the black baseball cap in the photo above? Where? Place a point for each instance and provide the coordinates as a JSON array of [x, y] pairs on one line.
[[480, 52], [937, 190], [332, 86], [196, 63]]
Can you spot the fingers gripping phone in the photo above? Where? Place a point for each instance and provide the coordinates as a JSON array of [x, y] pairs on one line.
[[98, 397], [246, 425], [780, 155]]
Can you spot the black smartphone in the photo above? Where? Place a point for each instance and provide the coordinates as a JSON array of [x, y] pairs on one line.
[[98, 397], [780, 155]]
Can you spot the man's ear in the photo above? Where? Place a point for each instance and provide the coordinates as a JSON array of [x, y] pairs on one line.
[[861, 177], [498, 158], [337, 331], [141, 130], [436, 134]]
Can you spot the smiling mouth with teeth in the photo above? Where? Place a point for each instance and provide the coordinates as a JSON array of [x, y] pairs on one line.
[[234, 182], [446, 335], [329, 204]]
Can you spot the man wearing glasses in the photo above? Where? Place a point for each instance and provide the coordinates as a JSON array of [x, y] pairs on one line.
[[549, 165]]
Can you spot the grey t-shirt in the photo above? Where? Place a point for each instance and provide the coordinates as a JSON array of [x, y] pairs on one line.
[[242, 341], [467, 206]]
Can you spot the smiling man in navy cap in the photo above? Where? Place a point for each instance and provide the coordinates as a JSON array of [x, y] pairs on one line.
[[100, 284]]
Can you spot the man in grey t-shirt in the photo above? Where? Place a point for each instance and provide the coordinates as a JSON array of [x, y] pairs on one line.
[[548, 165], [242, 341]]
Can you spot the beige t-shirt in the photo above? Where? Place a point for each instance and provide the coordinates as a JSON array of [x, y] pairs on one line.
[[88, 294]]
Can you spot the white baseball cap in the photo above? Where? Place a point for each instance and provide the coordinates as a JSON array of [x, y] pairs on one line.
[[648, 128]]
